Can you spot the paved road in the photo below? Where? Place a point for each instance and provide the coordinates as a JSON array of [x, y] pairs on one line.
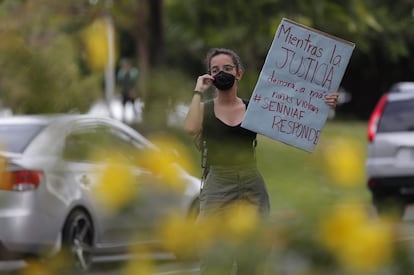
[[114, 266], [162, 268]]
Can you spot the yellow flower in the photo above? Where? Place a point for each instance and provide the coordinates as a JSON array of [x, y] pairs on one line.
[[344, 162], [160, 164], [36, 268], [139, 267], [338, 226], [174, 151], [358, 242], [179, 235], [96, 42], [371, 249], [116, 185], [163, 161], [233, 226], [5, 177], [240, 221]]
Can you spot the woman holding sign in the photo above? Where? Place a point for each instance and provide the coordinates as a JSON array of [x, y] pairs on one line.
[[230, 175]]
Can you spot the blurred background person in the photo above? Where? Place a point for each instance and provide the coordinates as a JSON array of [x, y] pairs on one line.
[[127, 80]]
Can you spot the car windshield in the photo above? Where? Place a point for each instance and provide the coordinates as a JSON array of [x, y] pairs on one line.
[[398, 116], [15, 138]]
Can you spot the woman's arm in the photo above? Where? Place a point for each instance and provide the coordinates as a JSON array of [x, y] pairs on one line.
[[194, 119]]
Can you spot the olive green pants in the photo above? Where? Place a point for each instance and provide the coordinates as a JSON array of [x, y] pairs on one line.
[[225, 186]]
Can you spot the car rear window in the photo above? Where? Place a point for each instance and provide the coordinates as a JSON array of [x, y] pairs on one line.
[[398, 116], [15, 138]]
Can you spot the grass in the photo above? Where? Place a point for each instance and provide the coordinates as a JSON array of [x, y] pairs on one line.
[[298, 180]]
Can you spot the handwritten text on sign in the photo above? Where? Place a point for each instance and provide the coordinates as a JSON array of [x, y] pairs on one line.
[[303, 65]]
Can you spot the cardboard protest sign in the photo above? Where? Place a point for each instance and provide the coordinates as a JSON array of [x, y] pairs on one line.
[[302, 66]]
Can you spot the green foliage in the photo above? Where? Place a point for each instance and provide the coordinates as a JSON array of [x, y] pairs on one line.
[[165, 89], [40, 62], [296, 179], [382, 31], [41, 57], [247, 28]]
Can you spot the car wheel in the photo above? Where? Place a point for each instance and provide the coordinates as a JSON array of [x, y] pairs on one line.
[[78, 238], [389, 206], [194, 210]]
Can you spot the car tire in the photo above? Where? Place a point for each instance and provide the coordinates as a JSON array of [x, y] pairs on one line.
[[194, 210], [78, 238], [389, 206]]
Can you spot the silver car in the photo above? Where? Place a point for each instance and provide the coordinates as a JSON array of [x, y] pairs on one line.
[[390, 161], [47, 182]]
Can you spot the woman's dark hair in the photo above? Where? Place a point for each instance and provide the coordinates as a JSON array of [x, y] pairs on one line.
[[216, 51]]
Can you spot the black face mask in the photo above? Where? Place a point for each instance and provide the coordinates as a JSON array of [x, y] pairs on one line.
[[224, 81]]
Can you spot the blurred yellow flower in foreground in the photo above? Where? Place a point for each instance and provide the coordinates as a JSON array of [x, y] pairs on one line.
[[160, 165], [360, 243], [36, 268], [5, 177], [241, 220], [231, 228], [95, 38], [139, 267], [163, 161], [180, 235], [344, 162], [175, 151], [116, 184]]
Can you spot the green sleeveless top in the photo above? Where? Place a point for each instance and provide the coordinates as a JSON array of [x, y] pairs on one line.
[[226, 145]]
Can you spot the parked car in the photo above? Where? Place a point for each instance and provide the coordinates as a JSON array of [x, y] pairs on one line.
[[49, 201], [390, 160]]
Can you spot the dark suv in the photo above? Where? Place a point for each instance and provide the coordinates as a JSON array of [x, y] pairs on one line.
[[390, 161]]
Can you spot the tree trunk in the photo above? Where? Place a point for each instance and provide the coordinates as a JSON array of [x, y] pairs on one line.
[[156, 10], [149, 37], [141, 36]]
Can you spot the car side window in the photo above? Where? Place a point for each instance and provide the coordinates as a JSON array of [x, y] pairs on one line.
[[81, 146], [103, 141], [123, 144]]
